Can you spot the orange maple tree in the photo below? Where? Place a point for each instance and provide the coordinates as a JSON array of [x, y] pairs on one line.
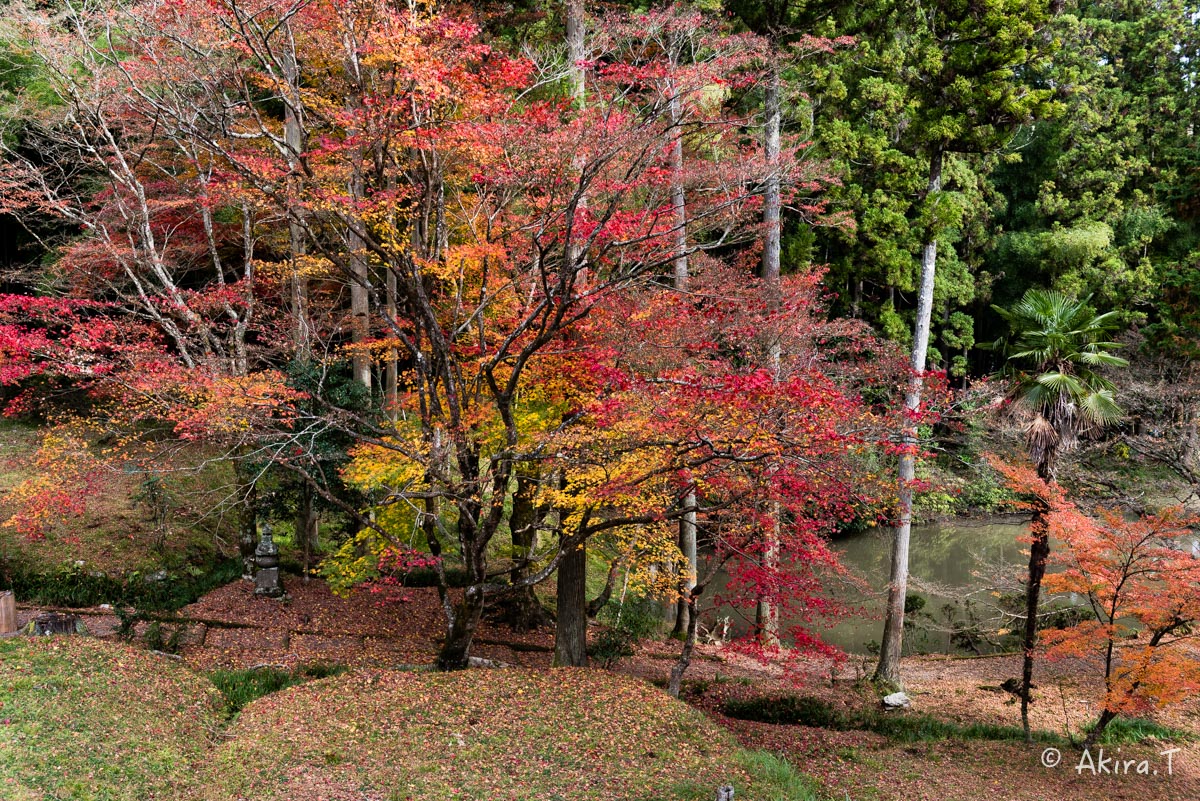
[[1141, 581], [1138, 582]]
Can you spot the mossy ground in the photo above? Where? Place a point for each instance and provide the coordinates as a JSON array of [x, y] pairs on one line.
[[86, 719]]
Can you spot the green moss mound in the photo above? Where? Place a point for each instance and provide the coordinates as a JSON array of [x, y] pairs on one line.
[[85, 719], [566, 734]]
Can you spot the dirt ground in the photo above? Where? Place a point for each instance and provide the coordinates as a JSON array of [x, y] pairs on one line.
[[233, 628]]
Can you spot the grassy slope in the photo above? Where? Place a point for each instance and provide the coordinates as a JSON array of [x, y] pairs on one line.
[[115, 534], [103, 722], [85, 719], [565, 734]]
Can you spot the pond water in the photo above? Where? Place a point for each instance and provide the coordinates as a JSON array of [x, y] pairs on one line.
[[957, 567]]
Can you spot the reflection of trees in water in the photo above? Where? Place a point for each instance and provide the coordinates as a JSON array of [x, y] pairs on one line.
[[987, 616], [967, 576], [966, 590]]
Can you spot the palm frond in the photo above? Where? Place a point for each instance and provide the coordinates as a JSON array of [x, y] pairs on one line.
[[1100, 358], [1100, 408], [1060, 339], [1062, 384]]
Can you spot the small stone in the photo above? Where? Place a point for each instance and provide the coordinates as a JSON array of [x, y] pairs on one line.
[[897, 701]]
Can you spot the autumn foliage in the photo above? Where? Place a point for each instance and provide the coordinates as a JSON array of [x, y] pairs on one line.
[[256, 191], [1137, 581]]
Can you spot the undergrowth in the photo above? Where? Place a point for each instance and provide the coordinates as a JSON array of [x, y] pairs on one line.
[[1127, 731], [904, 727], [241, 687], [75, 587]]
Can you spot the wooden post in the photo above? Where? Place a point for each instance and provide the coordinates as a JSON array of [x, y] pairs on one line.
[[725, 792], [8, 612]]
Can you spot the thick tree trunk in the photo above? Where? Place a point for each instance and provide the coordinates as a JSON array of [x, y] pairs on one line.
[[455, 653], [893, 627], [766, 614], [1190, 447], [293, 135], [1106, 717], [772, 193], [687, 523], [360, 299], [575, 48], [521, 609], [570, 631], [687, 546]]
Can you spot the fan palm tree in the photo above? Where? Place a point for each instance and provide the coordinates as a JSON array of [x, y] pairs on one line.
[[1054, 349]]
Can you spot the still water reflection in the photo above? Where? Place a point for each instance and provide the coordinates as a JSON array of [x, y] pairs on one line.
[[951, 563]]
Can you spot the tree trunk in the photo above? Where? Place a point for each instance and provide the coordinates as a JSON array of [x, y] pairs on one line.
[[687, 524], [8, 612], [1106, 717], [575, 49], [293, 136], [1190, 448], [689, 644], [610, 582], [391, 380], [360, 300], [306, 528], [772, 193], [247, 517], [455, 653], [767, 612], [570, 631], [687, 546], [522, 610], [1039, 549], [893, 627]]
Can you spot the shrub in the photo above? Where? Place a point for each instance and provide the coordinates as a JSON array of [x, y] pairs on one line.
[[72, 586], [905, 727], [628, 623]]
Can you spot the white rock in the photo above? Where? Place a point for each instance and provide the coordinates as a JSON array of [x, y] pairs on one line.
[[897, 701]]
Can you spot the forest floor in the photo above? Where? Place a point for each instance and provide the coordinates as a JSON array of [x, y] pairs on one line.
[[232, 628]]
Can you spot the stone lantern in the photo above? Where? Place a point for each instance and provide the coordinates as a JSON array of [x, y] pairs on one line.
[[266, 560]]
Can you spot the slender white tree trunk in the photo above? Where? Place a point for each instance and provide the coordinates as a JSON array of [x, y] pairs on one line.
[[687, 524], [767, 613], [293, 136], [893, 627]]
